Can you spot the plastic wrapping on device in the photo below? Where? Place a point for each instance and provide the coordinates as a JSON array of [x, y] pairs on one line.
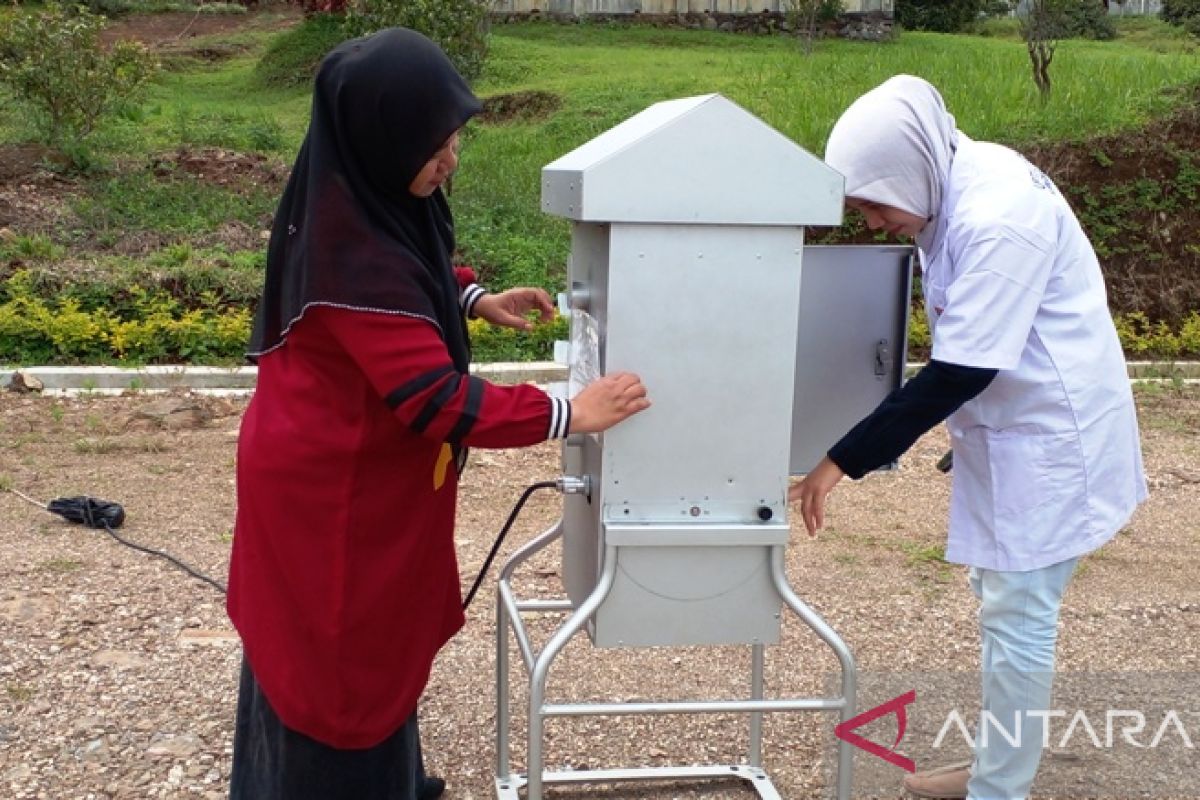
[[585, 351]]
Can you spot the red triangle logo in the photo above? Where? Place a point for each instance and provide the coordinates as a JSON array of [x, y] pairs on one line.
[[896, 705]]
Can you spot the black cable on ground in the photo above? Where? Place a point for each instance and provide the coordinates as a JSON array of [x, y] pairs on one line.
[[105, 515], [151, 551], [503, 533]]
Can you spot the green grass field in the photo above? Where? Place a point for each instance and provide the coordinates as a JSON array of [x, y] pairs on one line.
[[604, 75], [600, 76]]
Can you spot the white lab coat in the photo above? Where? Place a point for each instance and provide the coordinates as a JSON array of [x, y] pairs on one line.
[[1047, 462]]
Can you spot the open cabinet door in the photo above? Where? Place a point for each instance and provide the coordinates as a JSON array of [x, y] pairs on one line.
[[852, 341]]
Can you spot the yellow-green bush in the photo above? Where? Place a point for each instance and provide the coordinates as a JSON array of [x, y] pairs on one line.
[[490, 343], [34, 330], [153, 327], [919, 340], [1142, 338]]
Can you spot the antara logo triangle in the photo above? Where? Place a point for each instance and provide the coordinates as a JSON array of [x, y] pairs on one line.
[[845, 731]]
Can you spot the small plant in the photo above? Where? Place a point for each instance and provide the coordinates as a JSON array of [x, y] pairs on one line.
[[265, 135], [53, 60], [176, 255], [61, 565], [20, 693], [806, 16], [221, 8], [923, 553], [95, 446], [37, 246]]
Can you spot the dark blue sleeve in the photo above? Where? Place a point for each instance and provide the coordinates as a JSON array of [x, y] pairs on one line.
[[933, 394]]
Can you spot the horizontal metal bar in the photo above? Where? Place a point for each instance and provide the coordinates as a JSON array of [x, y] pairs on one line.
[[545, 605], [707, 773], [690, 707]]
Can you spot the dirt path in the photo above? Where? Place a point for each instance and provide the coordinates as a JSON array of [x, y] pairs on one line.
[[118, 672]]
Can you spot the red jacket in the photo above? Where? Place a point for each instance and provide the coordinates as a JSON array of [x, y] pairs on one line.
[[343, 581]]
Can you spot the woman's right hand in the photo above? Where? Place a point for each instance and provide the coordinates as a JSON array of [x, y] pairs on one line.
[[606, 401]]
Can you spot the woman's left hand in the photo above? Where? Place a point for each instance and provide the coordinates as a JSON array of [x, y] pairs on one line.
[[813, 491], [511, 308]]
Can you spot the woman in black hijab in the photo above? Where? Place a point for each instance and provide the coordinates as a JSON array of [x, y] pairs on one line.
[[343, 580]]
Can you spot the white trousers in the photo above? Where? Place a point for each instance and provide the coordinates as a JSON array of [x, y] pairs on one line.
[[1018, 621]]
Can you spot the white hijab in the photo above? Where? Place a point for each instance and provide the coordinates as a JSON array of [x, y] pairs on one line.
[[894, 145]]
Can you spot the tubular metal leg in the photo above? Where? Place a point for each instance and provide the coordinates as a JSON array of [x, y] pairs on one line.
[[503, 769], [503, 697], [756, 693], [845, 776], [536, 777], [527, 550], [541, 669]]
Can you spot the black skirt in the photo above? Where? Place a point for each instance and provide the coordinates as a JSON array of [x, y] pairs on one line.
[[272, 762]]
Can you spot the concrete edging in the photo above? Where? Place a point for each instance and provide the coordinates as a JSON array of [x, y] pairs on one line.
[[109, 380]]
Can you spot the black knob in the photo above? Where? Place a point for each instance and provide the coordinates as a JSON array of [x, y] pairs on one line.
[[765, 513]]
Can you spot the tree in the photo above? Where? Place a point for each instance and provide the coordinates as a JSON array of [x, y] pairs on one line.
[[1042, 26], [806, 16]]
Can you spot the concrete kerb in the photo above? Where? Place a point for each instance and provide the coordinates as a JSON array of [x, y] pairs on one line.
[[222, 380], [240, 380]]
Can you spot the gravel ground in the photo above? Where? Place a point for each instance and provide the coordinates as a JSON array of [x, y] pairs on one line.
[[119, 671]]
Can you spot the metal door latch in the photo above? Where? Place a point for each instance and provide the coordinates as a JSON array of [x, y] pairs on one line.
[[883, 357]]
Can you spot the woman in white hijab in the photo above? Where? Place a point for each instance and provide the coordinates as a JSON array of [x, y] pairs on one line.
[[1028, 373]]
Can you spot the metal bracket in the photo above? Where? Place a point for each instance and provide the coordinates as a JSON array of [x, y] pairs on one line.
[[508, 613], [883, 358]]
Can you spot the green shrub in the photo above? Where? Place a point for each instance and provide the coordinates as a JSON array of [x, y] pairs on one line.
[[459, 26], [945, 16], [1178, 12], [1088, 19], [196, 278], [53, 61], [292, 57]]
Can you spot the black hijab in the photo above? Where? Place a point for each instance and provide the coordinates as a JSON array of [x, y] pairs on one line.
[[347, 231]]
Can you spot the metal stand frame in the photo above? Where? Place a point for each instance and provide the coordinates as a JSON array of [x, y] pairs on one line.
[[508, 612]]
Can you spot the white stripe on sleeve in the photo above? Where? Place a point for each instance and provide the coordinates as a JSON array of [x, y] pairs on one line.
[[560, 418], [470, 296]]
